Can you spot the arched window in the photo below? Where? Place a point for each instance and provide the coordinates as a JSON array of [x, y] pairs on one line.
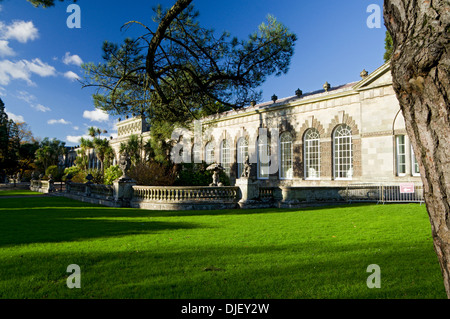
[[225, 156], [209, 153], [343, 152], [196, 153], [263, 157], [311, 144], [242, 153], [286, 156]]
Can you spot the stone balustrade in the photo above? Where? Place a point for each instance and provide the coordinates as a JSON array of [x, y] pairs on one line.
[[183, 198], [151, 193], [247, 194]]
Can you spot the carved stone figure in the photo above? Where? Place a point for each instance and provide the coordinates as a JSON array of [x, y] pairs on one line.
[[216, 168], [247, 168], [124, 165]]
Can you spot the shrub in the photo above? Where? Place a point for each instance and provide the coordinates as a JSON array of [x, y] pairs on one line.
[[111, 174], [196, 175], [97, 174], [73, 171], [56, 172], [152, 174]]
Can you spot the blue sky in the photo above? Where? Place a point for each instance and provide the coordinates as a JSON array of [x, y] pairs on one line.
[[40, 56]]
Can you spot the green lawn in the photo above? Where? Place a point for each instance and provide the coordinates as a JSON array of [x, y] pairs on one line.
[[18, 192], [270, 253]]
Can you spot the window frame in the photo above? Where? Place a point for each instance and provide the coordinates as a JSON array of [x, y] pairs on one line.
[[286, 174], [309, 149], [242, 153], [209, 153], [260, 164], [399, 154], [227, 156], [339, 147]]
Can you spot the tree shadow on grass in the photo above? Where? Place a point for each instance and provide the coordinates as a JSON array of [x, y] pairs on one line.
[[272, 272], [71, 223]]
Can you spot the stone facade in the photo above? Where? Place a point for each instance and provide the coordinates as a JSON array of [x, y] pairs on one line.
[[367, 110]]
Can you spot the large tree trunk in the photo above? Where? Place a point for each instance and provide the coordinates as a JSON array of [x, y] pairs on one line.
[[420, 31]]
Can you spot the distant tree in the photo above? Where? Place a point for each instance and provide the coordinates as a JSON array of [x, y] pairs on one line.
[[82, 160], [388, 45], [102, 149], [48, 153], [9, 144], [27, 156]]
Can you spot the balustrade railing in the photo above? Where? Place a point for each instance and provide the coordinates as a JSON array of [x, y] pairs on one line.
[[266, 193], [102, 191], [150, 193]]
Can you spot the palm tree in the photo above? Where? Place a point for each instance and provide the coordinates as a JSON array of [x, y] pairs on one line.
[[101, 147]]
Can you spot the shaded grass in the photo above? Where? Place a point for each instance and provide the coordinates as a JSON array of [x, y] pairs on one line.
[[271, 253]]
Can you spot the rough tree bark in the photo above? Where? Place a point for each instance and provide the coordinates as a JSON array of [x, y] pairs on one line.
[[420, 66]]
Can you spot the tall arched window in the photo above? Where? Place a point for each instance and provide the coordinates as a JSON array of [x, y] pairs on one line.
[[311, 144], [343, 152], [263, 157], [242, 153], [286, 156], [225, 156], [209, 153]]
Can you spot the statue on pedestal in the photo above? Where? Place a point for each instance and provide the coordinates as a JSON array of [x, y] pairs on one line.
[[216, 168], [246, 173], [124, 165]]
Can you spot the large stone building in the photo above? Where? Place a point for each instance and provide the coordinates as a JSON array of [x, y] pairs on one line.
[[354, 133]]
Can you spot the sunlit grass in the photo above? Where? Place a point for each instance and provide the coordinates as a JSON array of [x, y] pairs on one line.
[[271, 253], [18, 192]]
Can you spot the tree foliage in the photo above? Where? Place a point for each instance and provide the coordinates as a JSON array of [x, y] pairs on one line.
[[388, 46], [9, 144], [182, 70], [48, 153]]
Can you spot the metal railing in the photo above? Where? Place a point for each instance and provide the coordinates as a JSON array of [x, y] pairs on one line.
[[380, 193]]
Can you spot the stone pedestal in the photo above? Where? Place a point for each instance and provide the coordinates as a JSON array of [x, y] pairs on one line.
[[123, 191], [249, 192]]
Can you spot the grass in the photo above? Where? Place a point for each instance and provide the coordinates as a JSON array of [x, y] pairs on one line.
[[17, 192], [271, 253]]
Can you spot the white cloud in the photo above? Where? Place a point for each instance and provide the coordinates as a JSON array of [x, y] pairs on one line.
[[19, 30], [14, 117], [40, 68], [41, 108], [30, 99], [61, 121], [71, 76], [76, 139], [76, 128], [23, 70], [96, 116], [5, 49], [25, 96], [72, 59]]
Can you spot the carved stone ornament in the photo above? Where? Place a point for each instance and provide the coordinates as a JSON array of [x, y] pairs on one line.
[[124, 165], [247, 168]]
